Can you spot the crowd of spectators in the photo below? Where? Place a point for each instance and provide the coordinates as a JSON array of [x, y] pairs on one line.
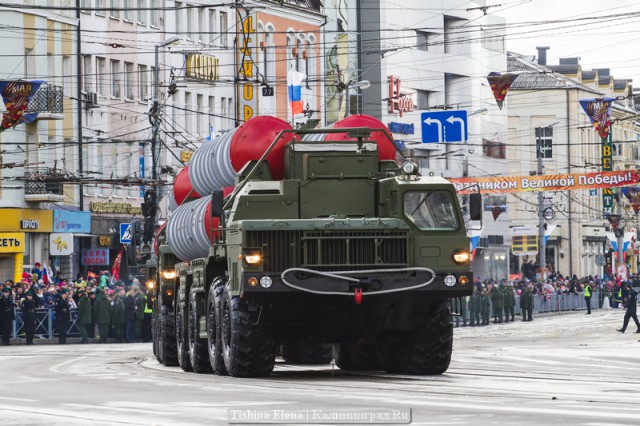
[[103, 307]]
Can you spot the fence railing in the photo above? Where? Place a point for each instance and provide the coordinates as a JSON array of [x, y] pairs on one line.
[[542, 303], [46, 325]]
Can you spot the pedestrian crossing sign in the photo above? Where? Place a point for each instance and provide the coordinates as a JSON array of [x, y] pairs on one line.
[[125, 233]]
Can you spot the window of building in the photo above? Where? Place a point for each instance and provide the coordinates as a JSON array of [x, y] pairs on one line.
[[299, 55], [191, 31], [290, 45], [310, 61], [101, 76], [129, 81], [493, 39], [230, 112], [115, 79], [212, 111], [424, 39], [223, 29], [67, 75], [202, 27], [86, 73], [29, 64], [114, 9], [200, 114], [450, 36], [270, 53], [100, 7], [212, 26], [544, 142], [86, 4], [142, 12], [51, 67], [143, 83], [423, 99], [154, 17], [493, 149], [223, 112], [179, 17], [187, 114], [127, 12]]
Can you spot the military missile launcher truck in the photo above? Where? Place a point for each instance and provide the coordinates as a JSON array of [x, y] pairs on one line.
[[321, 239]]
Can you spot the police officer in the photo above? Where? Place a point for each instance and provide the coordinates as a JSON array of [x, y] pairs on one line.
[[7, 315], [587, 296], [63, 316], [140, 304], [632, 300], [148, 312], [28, 307]]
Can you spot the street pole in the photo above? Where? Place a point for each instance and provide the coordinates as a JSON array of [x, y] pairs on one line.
[[620, 232], [542, 247], [348, 109]]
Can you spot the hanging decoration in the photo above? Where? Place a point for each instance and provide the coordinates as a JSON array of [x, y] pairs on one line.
[[16, 95], [500, 84], [599, 112], [633, 195]]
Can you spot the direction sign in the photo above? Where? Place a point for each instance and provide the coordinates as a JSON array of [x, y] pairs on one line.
[[444, 126], [125, 233]]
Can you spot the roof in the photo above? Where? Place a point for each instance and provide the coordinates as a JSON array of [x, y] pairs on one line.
[[572, 69], [589, 75], [536, 76], [619, 84]]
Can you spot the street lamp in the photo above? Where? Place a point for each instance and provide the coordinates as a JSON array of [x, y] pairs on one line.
[[364, 84]]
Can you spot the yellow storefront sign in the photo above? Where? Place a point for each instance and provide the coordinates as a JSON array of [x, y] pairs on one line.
[[11, 242], [26, 220], [202, 67]]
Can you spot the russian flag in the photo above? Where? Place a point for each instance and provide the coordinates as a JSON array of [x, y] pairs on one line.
[[294, 83], [45, 274]]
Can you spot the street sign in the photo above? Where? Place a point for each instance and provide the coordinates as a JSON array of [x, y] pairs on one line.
[[444, 126], [600, 260], [125, 233]]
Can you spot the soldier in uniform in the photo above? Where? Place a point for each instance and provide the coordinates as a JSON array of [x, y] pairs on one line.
[[63, 316], [496, 303], [509, 300], [7, 315], [139, 302], [632, 300], [526, 303], [474, 313], [102, 314], [485, 306], [84, 315], [28, 307], [117, 316]]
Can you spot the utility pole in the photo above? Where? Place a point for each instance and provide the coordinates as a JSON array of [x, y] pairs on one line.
[[542, 246]]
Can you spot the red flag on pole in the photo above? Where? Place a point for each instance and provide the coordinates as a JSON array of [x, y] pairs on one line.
[[115, 271]]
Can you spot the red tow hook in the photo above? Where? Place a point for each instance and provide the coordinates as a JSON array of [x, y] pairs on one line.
[[358, 295]]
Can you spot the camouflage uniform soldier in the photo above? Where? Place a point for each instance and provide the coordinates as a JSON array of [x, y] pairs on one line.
[[509, 302], [526, 303], [496, 302], [474, 312], [485, 305]]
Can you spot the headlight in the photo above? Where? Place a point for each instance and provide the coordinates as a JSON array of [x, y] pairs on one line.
[[461, 256], [253, 258], [266, 282], [169, 274], [150, 284], [450, 280], [409, 167]]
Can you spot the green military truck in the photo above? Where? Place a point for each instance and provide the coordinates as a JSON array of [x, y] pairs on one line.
[[326, 239]]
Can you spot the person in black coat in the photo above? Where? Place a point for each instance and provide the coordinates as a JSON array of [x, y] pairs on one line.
[[632, 300], [63, 316], [28, 306], [130, 316], [7, 315]]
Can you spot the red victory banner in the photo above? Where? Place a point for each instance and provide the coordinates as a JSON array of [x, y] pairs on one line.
[[16, 96], [567, 182], [500, 84], [599, 112]]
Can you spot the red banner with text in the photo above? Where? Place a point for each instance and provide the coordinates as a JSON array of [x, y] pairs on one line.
[[567, 182]]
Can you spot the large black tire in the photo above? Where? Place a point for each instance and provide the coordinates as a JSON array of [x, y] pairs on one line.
[[155, 334], [357, 357], [198, 352], [182, 332], [214, 342], [427, 349], [248, 350], [167, 346], [307, 353]]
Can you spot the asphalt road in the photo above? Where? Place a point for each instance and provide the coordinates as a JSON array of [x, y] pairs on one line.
[[557, 370]]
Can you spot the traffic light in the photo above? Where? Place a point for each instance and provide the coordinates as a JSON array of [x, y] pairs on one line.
[[136, 232]]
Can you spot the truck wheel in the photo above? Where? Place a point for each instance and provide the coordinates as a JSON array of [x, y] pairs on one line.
[[167, 342], [214, 342], [198, 353], [181, 332], [155, 335], [357, 356], [247, 349], [307, 353], [426, 350]]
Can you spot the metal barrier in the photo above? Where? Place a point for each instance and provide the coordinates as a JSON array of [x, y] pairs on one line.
[[46, 324], [542, 303]]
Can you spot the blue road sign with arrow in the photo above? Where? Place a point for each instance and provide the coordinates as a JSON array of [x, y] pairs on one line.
[[444, 126]]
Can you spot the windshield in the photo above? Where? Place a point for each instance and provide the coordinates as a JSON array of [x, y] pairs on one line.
[[431, 210]]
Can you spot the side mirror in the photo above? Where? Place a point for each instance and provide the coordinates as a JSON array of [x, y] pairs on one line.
[[475, 207], [217, 202]]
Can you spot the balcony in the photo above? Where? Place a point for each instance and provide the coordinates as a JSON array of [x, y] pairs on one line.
[[47, 102], [43, 185]]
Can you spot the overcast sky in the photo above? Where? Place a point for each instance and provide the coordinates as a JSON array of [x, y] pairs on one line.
[[612, 44]]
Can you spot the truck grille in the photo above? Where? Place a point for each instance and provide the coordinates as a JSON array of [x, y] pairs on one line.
[[331, 250]]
